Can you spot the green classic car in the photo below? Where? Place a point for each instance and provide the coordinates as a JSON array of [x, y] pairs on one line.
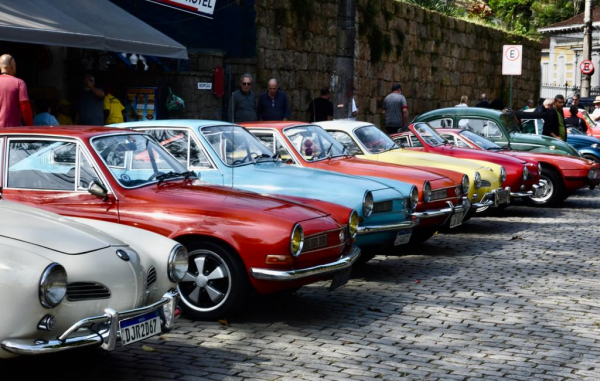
[[497, 126]]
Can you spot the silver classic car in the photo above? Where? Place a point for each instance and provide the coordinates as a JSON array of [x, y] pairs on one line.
[[71, 283]]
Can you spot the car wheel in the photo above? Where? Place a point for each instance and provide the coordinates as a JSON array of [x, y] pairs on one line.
[[555, 189], [591, 157], [216, 284], [419, 236]]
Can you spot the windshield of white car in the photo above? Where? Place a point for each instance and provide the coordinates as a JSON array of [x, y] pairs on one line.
[[136, 160], [480, 141], [314, 143], [235, 146], [374, 140], [429, 135]]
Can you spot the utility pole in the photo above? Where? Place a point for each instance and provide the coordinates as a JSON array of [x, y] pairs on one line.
[[342, 82], [587, 47]]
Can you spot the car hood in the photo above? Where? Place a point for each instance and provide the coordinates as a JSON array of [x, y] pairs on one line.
[[563, 161], [542, 140], [418, 158], [51, 231], [468, 153], [582, 139]]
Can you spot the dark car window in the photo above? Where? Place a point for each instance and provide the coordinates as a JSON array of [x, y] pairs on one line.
[[440, 123], [181, 146]]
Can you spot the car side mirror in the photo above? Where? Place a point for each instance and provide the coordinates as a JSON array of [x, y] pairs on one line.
[[97, 189]]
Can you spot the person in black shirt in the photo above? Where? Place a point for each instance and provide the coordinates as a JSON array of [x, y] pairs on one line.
[[321, 109], [483, 101]]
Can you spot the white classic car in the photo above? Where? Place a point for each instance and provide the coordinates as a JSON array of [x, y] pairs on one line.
[[70, 283]]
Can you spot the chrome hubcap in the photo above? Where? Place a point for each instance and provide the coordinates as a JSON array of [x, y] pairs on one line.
[[207, 284]]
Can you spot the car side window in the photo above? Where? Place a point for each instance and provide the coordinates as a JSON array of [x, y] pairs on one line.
[[528, 126], [198, 158], [415, 142], [440, 123], [482, 127], [42, 164], [402, 141], [272, 143], [87, 174], [342, 137], [177, 143], [454, 140]]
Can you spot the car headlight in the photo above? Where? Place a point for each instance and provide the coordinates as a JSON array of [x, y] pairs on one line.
[[477, 180], [368, 204], [178, 263], [595, 145], [502, 175], [525, 173], [465, 185], [353, 224], [426, 191], [414, 199], [53, 285], [297, 240]]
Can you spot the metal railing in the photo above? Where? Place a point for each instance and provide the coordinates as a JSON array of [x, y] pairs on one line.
[[549, 90]]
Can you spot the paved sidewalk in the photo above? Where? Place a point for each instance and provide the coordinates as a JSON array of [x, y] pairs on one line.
[[510, 296]]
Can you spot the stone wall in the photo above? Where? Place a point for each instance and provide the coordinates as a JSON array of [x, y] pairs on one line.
[[435, 58]]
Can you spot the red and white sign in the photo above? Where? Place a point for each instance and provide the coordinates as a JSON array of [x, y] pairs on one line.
[[512, 59], [204, 8], [586, 67]]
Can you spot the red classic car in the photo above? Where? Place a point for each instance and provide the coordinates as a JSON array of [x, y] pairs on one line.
[[522, 176], [440, 191], [562, 174], [237, 241]]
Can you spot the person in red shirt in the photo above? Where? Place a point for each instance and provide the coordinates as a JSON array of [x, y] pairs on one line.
[[15, 109]]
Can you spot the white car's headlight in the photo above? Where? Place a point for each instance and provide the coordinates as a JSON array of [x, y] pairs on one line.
[[178, 263], [414, 199], [53, 285], [353, 224], [368, 204], [502, 177], [477, 180], [525, 173], [297, 240], [426, 191], [465, 185]]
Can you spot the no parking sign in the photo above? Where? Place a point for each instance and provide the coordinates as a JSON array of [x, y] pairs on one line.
[[586, 67], [512, 59]]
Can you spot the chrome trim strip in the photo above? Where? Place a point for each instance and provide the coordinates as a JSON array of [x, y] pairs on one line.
[[383, 228], [285, 275], [106, 339], [323, 248]]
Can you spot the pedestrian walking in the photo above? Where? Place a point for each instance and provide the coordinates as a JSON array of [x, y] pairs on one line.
[[90, 110], [273, 104], [243, 101], [463, 101], [483, 101], [321, 109], [554, 121], [395, 110], [596, 113], [15, 109]]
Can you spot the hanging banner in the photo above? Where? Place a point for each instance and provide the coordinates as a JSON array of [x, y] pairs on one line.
[[140, 103], [204, 8]]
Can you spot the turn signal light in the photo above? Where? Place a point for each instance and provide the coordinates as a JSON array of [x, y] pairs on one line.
[[279, 259]]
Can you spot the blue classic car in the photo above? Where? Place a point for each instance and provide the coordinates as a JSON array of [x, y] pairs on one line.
[[227, 154]]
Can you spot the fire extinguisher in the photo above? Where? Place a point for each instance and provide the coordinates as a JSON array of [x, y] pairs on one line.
[[218, 81]]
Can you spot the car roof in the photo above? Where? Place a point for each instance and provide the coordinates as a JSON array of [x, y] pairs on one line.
[[458, 111], [173, 123], [71, 131], [274, 124]]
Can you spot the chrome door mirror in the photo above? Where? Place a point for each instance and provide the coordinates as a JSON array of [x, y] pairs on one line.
[[97, 189]]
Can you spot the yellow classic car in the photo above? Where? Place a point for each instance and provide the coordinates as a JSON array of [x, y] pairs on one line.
[[367, 141]]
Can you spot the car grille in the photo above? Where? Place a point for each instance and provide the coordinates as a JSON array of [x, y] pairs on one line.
[[78, 291], [439, 194], [314, 243], [151, 277], [382, 207], [485, 183]]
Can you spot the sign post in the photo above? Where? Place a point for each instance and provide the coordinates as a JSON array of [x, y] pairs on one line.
[[512, 63]]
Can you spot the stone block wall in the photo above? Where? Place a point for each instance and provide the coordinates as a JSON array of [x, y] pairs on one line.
[[435, 58]]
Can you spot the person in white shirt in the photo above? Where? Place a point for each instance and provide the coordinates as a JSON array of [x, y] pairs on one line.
[[463, 101], [596, 114]]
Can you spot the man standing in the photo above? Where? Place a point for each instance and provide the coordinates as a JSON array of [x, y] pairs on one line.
[[14, 101], [321, 109], [91, 104], [596, 114], [483, 101], [576, 98], [554, 121], [273, 105], [243, 104], [395, 110]]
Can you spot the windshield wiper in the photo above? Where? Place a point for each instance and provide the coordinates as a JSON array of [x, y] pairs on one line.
[[171, 175], [262, 156], [328, 153]]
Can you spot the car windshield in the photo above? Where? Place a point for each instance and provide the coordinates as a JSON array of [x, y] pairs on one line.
[[428, 134], [588, 119], [480, 141], [314, 143], [508, 121], [374, 140], [136, 160], [235, 146]]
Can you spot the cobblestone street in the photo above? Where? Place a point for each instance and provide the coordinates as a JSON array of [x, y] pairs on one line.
[[513, 295]]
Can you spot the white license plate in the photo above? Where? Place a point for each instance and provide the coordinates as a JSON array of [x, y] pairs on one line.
[[140, 328], [456, 220], [402, 237], [340, 278], [503, 197]]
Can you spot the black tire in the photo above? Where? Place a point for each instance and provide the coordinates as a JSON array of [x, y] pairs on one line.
[[203, 298], [365, 256], [555, 192], [591, 157], [419, 236]]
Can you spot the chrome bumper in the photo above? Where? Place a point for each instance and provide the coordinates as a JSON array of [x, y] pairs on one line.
[[105, 338], [384, 228], [450, 210], [284, 275], [494, 198], [537, 191]]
